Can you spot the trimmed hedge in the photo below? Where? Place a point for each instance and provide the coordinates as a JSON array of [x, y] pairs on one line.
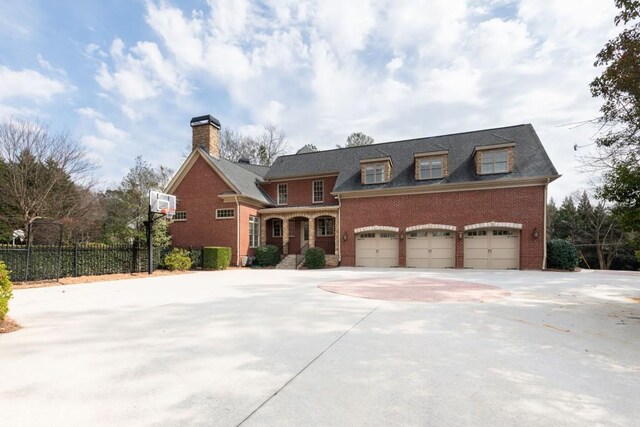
[[177, 259], [216, 258], [315, 258], [267, 255], [562, 255], [6, 290]]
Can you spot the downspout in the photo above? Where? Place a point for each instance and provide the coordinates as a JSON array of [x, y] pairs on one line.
[[544, 231], [339, 230], [237, 232]]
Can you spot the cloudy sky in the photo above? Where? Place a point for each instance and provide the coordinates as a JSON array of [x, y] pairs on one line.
[[126, 76]]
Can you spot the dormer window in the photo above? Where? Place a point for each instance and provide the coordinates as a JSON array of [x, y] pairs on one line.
[[431, 165], [376, 171], [492, 159], [494, 162], [374, 174]]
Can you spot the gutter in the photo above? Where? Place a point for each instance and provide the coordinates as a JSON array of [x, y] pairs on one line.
[[339, 230], [237, 232], [544, 232]]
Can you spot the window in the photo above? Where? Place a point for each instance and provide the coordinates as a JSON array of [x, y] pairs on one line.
[[418, 234], [503, 232], [224, 213], [276, 228], [318, 191], [374, 174], [180, 216], [282, 194], [367, 235], [254, 232], [325, 227], [494, 162], [292, 228], [476, 233], [430, 168], [388, 236], [441, 234]]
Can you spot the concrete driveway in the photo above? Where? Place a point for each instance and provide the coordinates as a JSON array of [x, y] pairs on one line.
[[271, 348]]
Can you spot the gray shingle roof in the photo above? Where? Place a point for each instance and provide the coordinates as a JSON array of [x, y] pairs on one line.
[[242, 178], [257, 169], [530, 159]]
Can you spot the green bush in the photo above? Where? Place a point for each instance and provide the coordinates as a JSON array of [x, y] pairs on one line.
[[315, 258], [5, 290], [267, 255], [561, 254], [177, 259], [216, 258]]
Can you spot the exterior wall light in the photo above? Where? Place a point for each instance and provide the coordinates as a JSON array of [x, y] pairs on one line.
[[535, 232], [402, 237], [460, 235], [344, 236]]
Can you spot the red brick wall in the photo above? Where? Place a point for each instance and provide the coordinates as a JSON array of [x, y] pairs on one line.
[[197, 194], [300, 191], [519, 205]]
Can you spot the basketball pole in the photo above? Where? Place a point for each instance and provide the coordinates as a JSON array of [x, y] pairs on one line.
[[149, 224]]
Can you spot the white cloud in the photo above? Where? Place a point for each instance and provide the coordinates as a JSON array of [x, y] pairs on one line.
[[89, 113], [29, 84]]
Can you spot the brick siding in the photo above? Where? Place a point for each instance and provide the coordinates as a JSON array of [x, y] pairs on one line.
[[300, 191], [518, 205]]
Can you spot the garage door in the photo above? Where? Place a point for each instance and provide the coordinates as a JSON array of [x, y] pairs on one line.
[[378, 249], [492, 249], [431, 249]]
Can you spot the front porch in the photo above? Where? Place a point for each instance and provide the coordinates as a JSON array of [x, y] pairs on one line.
[[295, 229]]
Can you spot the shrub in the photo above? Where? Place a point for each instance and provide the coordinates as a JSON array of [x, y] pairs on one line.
[[177, 259], [267, 255], [5, 290], [561, 254], [216, 258], [315, 258]]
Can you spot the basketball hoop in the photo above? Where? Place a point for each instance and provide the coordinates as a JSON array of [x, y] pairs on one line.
[[164, 204]]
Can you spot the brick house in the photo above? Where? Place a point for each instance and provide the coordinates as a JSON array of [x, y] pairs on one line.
[[468, 200]]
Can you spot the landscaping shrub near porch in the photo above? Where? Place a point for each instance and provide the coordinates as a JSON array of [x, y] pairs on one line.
[[216, 258], [315, 258], [267, 255]]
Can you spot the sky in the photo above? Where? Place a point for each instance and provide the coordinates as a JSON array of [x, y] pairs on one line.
[[126, 76]]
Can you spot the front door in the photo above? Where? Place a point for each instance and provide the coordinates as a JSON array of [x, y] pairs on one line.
[[304, 234]]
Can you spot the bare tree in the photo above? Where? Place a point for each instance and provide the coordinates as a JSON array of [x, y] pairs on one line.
[[271, 144], [357, 139], [42, 172], [235, 146]]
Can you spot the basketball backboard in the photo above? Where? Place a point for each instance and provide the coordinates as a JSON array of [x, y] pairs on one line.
[[161, 203]]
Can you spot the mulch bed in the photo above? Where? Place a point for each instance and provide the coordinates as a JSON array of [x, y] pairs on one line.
[[91, 279], [8, 325]]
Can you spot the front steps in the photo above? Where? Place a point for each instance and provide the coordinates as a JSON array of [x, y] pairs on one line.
[[289, 262]]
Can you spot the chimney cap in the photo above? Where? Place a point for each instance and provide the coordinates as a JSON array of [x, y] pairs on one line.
[[207, 119]]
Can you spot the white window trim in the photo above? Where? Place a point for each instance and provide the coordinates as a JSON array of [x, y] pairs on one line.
[[180, 219], [493, 153], [430, 160], [374, 167], [286, 187], [292, 230], [226, 217], [273, 228], [257, 223], [313, 191]]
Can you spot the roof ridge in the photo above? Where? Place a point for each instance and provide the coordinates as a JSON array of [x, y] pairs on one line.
[[407, 140]]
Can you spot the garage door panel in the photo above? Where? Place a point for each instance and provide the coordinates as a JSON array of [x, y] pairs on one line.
[[492, 249], [418, 262], [377, 250], [441, 262], [430, 249]]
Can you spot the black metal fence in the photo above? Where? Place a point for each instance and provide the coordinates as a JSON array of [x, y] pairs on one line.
[[51, 262]]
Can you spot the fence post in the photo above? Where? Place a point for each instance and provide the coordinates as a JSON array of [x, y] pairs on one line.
[[26, 264], [134, 256], [202, 257], [75, 260]]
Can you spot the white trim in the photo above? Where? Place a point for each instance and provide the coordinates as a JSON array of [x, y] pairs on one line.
[[493, 224], [313, 191], [273, 228], [544, 228], [226, 217], [376, 228], [175, 219], [431, 227], [286, 186], [296, 209], [238, 234]]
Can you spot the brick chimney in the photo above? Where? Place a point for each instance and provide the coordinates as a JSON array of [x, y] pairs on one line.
[[205, 134]]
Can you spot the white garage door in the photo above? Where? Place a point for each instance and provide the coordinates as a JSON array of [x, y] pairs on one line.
[[431, 249], [378, 249], [492, 249]]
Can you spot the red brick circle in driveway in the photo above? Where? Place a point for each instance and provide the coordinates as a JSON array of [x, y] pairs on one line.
[[416, 289]]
